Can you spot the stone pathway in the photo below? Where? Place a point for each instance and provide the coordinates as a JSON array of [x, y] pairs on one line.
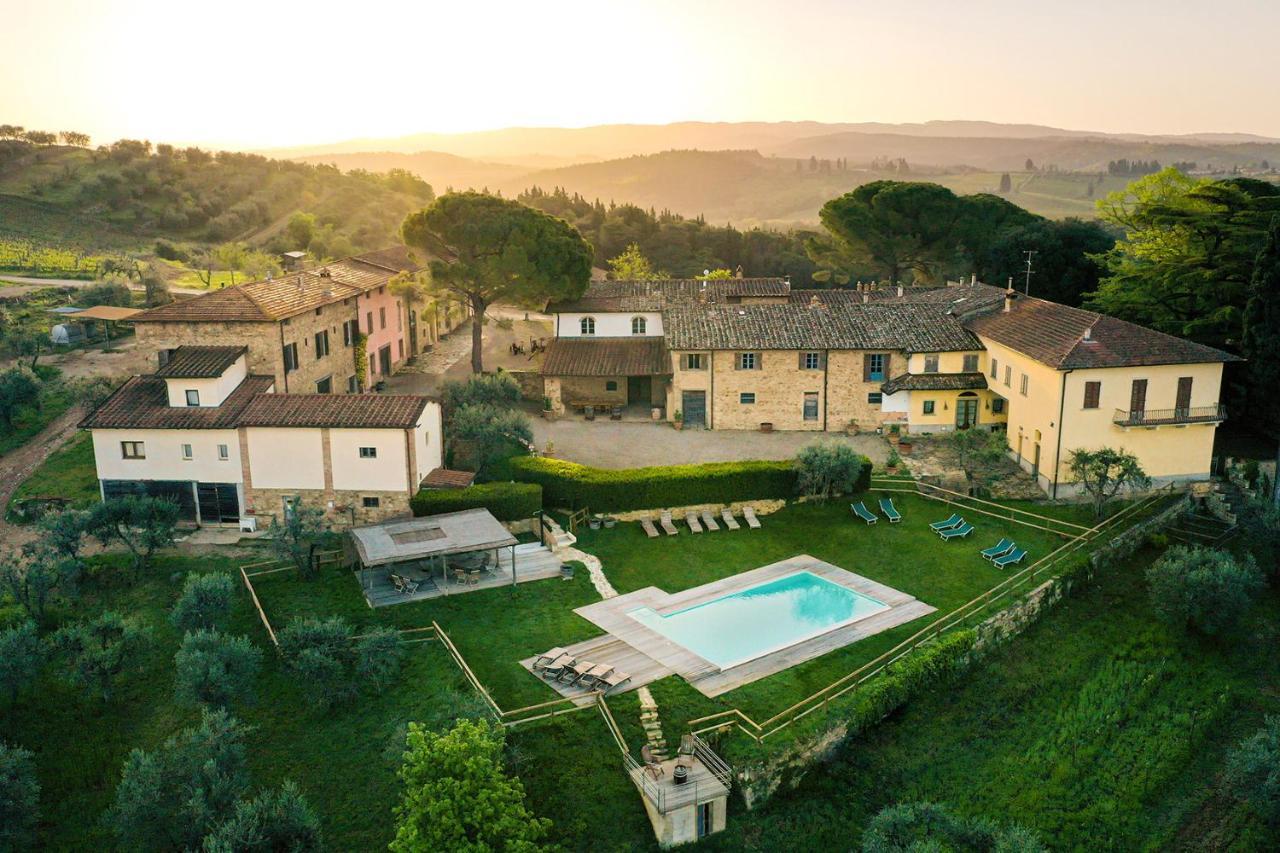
[[594, 569], [932, 460]]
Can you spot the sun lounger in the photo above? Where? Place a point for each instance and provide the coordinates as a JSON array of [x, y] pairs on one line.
[[890, 511], [692, 520], [612, 681], [1004, 546], [591, 675], [1009, 559], [709, 520], [548, 656], [555, 669], [668, 525], [946, 524], [749, 513], [649, 529], [958, 532], [861, 511], [729, 521], [573, 671]]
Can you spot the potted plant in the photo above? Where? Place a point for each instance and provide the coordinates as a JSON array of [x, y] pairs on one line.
[[677, 420], [594, 522], [547, 411], [891, 464], [610, 522], [894, 434]]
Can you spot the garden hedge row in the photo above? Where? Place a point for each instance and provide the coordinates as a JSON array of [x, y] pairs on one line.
[[571, 486], [507, 501]]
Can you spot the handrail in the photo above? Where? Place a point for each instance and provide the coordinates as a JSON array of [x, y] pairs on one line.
[[1176, 415], [466, 670], [1010, 509]]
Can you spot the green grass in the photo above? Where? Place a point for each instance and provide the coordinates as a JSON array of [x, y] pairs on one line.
[[68, 473]]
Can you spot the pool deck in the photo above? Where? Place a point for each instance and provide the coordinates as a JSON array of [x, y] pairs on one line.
[[611, 616]]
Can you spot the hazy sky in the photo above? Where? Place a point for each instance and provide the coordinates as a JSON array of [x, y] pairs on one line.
[[267, 73]]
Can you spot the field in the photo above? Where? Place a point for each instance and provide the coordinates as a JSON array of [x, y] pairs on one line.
[[1053, 194], [68, 473]]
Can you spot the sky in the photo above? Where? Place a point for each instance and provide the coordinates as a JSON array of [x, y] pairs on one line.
[[263, 73]]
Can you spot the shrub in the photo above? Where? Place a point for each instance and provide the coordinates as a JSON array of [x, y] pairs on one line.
[[205, 602], [215, 669], [21, 655], [333, 666], [274, 820], [827, 468], [570, 485], [928, 826], [507, 501], [485, 431], [1202, 589], [296, 539], [1252, 772], [496, 389], [19, 798], [99, 651]]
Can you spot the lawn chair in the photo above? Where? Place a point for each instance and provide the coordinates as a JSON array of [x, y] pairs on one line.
[[890, 511], [649, 529], [1004, 546], [555, 670], [404, 585], [709, 520], [651, 765], [861, 511], [549, 656], [749, 514], [397, 582], [946, 524], [572, 671], [1010, 559], [958, 532], [613, 680], [688, 745], [668, 525], [692, 520], [592, 675], [729, 521]]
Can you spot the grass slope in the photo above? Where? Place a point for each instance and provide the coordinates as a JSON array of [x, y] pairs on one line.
[[69, 473]]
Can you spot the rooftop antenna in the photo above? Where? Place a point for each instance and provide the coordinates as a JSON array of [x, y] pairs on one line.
[[1027, 286]]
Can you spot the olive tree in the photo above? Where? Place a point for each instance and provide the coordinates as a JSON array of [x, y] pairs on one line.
[[332, 664], [976, 451], [142, 524], [21, 656], [296, 538], [1203, 589], [19, 798], [1252, 772], [827, 468], [273, 820], [907, 827], [205, 602], [1106, 472], [99, 651], [37, 578], [215, 669]]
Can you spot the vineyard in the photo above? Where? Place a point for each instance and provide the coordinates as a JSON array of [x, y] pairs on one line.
[[29, 258]]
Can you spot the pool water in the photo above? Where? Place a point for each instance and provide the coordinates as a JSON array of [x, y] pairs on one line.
[[755, 621]]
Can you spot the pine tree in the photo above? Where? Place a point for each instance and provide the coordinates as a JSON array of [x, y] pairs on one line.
[[1262, 332]]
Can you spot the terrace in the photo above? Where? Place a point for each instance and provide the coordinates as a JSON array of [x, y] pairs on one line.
[[1170, 417]]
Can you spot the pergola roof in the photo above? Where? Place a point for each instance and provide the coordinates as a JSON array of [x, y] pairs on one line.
[[430, 536], [106, 312]]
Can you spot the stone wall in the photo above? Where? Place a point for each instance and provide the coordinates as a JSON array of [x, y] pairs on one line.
[[531, 384], [339, 364], [263, 340], [269, 503], [849, 390]]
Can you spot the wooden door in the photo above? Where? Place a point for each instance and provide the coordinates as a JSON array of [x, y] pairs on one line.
[[1183, 405], [1138, 399]]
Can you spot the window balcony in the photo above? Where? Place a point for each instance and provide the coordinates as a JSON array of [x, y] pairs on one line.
[[1170, 417]]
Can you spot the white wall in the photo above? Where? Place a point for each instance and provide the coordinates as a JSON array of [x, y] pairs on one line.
[[609, 324], [164, 460], [899, 402], [212, 391], [429, 435], [285, 458], [389, 471]]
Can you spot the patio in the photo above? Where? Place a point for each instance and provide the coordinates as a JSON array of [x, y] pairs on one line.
[[533, 562]]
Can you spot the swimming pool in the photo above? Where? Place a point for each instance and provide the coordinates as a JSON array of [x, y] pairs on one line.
[[760, 619]]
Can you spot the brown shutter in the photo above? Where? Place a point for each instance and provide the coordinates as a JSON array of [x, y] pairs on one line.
[[801, 364], [1092, 393], [1184, 393], [1138, 396], [737, 361], [759, 361], [822, 360], [866, 367]]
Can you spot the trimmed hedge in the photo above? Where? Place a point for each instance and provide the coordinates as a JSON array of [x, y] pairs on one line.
[[507, 501], [570, 485]]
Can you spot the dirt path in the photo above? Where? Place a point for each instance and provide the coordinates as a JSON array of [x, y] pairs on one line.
[[17, 465], [17, 285]]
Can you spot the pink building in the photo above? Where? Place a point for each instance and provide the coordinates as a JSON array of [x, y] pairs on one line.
[[382, 320]]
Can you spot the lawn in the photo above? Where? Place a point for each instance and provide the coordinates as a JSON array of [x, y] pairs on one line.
[[68, 473]]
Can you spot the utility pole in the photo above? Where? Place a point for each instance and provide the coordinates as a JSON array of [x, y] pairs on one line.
[[1026, 288]]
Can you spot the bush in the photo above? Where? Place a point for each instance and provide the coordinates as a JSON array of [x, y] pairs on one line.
[[333, 666], [827, 468], [19, 798], [205, 602], [1252, 773], [21, 656], [274, 820], [1202, 589], [507, 501], [496, 389], [215, 669], [928, 826], [570, 485]]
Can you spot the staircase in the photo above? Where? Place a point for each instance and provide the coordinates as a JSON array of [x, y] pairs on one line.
[[559, 537], [1214, 521], [652, 725]]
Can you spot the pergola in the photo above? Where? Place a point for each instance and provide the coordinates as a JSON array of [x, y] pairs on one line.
[[425, 540]]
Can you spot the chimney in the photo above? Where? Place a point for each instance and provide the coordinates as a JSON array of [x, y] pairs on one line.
[[738, 272], [1009, 295], [1088, 335], [865, 297], [899, 290]]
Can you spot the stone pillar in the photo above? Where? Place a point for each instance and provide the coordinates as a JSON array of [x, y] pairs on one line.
[[327, 456], [242, 435]]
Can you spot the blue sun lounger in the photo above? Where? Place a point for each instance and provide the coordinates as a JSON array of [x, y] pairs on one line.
[[958, 532], [1010, 559], [890, 511], [954, 521], [863, 513], [1004, 546]]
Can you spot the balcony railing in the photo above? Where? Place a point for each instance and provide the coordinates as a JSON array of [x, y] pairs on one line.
[[1163, 417]]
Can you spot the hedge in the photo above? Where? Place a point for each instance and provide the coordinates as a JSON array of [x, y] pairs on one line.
[[507, 501], [570, 485]]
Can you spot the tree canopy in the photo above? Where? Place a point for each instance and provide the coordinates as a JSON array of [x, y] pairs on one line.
[[1106, 472], [1203, 589], [1262, 332]]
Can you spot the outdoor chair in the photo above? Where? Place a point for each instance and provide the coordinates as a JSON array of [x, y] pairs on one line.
[[649, 529], [1004, 546], [729, 521], [651, 764], [408, 585], [946, 524], [861, 511], [548, 656], [572, 671], [613, 680], [890, 511], [554, 668], [749, 513], [397, 582], [615, 414], [959, 532], [668, 525], [1010, 559], [709, 520], [688, 745], [592, 677], [692, 520], [589, 412]]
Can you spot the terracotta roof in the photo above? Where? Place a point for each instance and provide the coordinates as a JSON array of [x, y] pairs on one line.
[[1055, 335], [447, 478], [200, 362], [876, 326], [143, 403], [349, 411], [654, 295], [935, 382], [849, 295], [606, 357]]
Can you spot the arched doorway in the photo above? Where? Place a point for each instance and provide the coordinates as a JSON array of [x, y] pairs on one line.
[[966, 410]]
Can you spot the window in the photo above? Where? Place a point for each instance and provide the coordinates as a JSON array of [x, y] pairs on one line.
[[349, 333], [186, 451], [810, 405], [368, 453], [810, 361], [368, 322], [399, 318], [611, 385], [748, 361], [325, 386], [1022, 385], [1092, 391], [1008, 375], [995, 368], [638, 325], [587, 325], [133, 450], [930, 364], [400, 348], [224, 453], [370, 502], [971, 363], [873, 367], [353, 385], [317, 312], [382, 317], [928, 407], [290, 357], [164, 355], [693, 361], [874, 398], [997, 405], [322, 343], [193, 397], [747, 398], [373, 364]]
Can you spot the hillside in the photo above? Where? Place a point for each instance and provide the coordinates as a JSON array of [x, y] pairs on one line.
[[440, 170]]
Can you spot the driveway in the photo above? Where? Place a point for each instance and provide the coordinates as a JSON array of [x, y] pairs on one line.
[[634, 444]]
